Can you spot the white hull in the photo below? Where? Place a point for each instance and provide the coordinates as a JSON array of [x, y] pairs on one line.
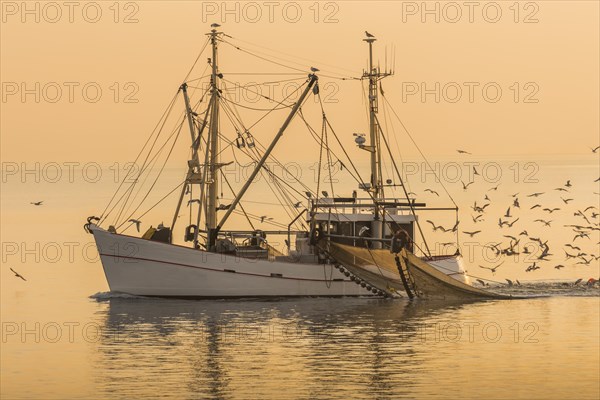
[[149, 268]]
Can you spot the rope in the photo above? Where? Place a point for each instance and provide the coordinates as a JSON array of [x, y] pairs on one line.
[[419, 150]]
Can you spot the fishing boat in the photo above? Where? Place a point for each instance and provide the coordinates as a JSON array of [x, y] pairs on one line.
[[330, 240]]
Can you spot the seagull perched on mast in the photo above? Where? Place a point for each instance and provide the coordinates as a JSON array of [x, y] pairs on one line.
[[369, 35], [214, 25], [313, 69]]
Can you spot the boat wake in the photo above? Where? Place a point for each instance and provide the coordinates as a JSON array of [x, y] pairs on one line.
[[548, 289], [104, 296]]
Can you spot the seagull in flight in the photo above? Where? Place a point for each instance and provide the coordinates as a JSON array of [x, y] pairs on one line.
[[493, 269], [17, 275], [537, 194], [466, 186], [471, 233], [37, 203], [137, 223], [595, 150], [546, 223], [432, 192], [463, 152], [551, 210]]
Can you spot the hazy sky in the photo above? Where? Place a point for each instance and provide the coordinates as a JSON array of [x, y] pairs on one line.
[[543, 56]]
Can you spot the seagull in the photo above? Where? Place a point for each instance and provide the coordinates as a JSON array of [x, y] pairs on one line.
[[465, 187], [37, 203], [535, 194], [136, 222], [325, 194], [516, 203], [577, 281], [471, 233], [532, 267], [313, 69], [262, 218], [535, 206], [297, 205], [435, 228], [566, 201], [363, 230], [369, 35], [493, 269], [455, 227], [509, 282], [481, 282], [507, 215], [595, 150], [476, 219], [551, 210], [546, 223], [223, 206], [475, 171], [193, 201], [432, 192], [590, 208], [560, 189], [573, 247], [559, 266], [494, 188], [463, 152], [17, 275], [214, 25]]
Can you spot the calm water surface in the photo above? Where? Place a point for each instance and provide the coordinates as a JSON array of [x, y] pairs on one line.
[[127, 347]]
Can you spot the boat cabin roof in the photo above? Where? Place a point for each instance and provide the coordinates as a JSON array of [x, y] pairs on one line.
[[349, 217]]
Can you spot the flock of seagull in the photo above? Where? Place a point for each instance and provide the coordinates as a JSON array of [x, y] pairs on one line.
[[537, 250]]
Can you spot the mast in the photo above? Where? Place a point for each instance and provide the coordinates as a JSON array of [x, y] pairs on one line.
[[374, 74], [212, 181], [373, 131]]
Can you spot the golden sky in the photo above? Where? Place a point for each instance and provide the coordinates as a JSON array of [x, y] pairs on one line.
[[543, 56]]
